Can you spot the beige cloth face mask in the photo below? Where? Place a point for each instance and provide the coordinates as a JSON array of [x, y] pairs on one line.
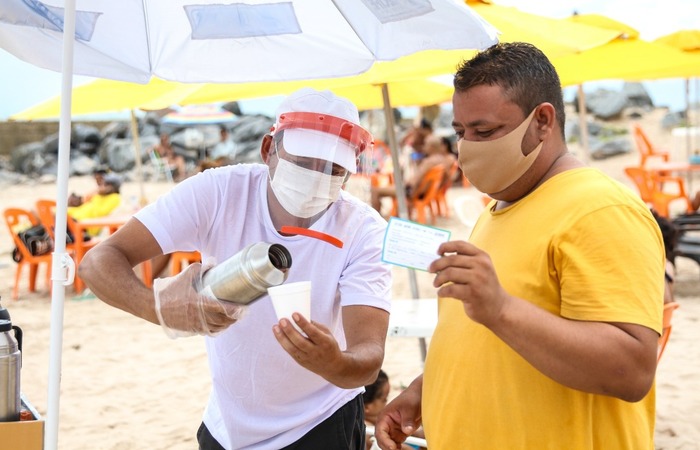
[[492, 166]]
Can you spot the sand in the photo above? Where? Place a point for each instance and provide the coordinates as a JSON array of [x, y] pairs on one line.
[[125, 385]]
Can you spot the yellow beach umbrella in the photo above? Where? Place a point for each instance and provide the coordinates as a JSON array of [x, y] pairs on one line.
[[555, 37], [686, 40], [627, 57], [407, 79]]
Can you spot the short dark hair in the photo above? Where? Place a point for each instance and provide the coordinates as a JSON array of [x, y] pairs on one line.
[[669, 233], [526, 75], [448, 144], [372, 390]]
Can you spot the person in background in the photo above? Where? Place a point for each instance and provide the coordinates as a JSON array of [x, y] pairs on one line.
[[103, 202], [436, 154], [415, 137], [175, 162], [549, 316], [77, 200], [225, 150], [670, 233], [375, 399], [272, 386]]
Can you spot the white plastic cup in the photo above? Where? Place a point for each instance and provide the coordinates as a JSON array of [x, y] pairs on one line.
[[288, 298]]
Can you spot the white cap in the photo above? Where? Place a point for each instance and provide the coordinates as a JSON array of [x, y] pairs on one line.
[[315, 143]]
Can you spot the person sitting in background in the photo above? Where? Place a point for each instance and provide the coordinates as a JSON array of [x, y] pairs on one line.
[[174, 161], [225, 149], [417, 135], [436, 153], [101, 204], [222, 154], [669, 232], [77, 200], [375, 398]]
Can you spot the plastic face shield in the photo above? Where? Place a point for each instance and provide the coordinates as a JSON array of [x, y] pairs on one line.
[[325, 139]]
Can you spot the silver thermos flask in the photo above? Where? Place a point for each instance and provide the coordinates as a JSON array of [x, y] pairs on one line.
[[10, 363], [245, 276]]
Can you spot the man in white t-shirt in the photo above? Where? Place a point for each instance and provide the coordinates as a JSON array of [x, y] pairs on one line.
[[225, 149], [272, 387]]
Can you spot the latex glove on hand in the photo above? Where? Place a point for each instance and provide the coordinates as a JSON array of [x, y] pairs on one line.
[[182, 311]]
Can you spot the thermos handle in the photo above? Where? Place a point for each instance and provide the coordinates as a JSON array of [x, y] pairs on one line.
[[18, 336]]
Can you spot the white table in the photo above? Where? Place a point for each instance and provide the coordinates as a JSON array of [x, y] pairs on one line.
[[413, 318]]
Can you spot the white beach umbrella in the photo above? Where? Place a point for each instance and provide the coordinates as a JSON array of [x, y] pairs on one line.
[[200, 41]]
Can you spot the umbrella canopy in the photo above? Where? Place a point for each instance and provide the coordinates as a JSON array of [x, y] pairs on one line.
[[554, 37], [626, 57], [202, 41], [109, 95], [686, 40]]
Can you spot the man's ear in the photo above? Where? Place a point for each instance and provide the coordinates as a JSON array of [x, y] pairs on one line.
[[265, 148], [546, 119]]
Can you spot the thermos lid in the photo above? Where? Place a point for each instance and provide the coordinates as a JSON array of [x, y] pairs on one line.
[[4, 313], [5, 325]]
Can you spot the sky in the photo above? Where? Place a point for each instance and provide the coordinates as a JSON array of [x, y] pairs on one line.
[[23, 85]]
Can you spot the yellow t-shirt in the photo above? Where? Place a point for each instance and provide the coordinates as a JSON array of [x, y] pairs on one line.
[[97, 206], [581, 246]]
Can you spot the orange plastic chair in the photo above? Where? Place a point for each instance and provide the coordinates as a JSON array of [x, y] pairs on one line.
[[645, 148], [651, 187], [16, 220], [429, 186], [46, 210], [440, 203], [666, 331], [180, 260]]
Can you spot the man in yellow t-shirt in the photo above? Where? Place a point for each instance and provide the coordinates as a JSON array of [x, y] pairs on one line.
[[549, 316]]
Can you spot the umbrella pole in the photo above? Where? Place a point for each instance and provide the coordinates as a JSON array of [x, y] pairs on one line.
[[583, 123], [688, 143], [400, 190], [59, 277], [143, 201]]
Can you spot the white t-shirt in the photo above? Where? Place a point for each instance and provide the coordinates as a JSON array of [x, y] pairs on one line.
[[261, 398]]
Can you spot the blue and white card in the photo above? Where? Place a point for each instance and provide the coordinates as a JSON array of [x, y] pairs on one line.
[[410, 244]]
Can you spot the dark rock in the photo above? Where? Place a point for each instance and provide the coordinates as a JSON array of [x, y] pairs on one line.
[[606, 104], [601, 149], [637, 95]]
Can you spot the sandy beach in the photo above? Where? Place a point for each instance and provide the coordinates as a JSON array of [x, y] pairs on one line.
[[126, 386]]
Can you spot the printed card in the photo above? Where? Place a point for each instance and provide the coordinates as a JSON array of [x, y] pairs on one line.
[[410, 244]]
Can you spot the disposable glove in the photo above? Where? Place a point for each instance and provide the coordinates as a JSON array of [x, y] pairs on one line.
[[182, 311]]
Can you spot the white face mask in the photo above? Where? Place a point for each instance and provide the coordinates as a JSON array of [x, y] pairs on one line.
[[304, 192], [492, 166]]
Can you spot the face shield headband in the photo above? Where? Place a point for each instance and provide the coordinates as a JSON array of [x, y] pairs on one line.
[[351, 139]]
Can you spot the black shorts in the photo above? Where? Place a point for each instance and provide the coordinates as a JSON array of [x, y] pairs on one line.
[[344, 430]]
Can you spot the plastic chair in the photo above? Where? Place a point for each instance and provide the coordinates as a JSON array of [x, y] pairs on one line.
[[180, 260], [666, 331], [46, 210], [651, 187], [18, 219], [440, 203], [645, 148], [418, 203]]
